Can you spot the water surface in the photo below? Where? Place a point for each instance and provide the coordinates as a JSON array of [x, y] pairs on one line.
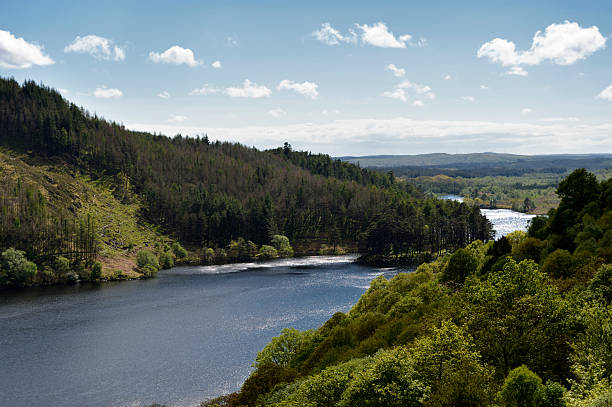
[[187, 335]]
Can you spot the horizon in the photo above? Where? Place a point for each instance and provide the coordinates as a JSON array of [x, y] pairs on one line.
[[358, 81]]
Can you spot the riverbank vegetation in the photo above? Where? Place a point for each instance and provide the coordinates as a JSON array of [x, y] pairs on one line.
[[110, 192], [522, 321]]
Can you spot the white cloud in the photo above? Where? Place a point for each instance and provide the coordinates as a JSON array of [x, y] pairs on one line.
[[329, 112], [231, 42], [177, 118], [97, 47], [526, 110], [63, 91], [484, 87], [517, 70], [419, 89], [175, 55], [606, 93], [409, 136], [448, 77], [204, 91], [18, 53], [330, 36], [216, 64], [418, 103], [249, 90], [470, 99], [278, 112], [308, 89], [562, 44], [398, 72], [107, 93], [398, 93], [377, 35], [560, 119], [164, 95]]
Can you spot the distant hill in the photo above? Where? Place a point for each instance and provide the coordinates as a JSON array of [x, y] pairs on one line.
[[486, 160]]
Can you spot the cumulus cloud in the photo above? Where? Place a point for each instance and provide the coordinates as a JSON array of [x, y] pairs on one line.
[[216, 64], [278, 112], [330, 36], [17, 53], [107, 93], [164, 95], [526, 110], [562, 44], [470, 99], [560, 119], [397, 93], [517, 70], [606, 93], [249, 90], [175, 55], [377, 35], [174, 118], [397, 72], [204, 91], [409, 136], [448, 77], [418, 103], [97, 47], [484, 87], [308, 89], [401, 91]]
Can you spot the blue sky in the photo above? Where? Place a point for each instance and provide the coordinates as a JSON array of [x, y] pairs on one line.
[[319, 72]]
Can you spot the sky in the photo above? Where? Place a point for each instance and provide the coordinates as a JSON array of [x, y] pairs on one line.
[[341, 77]]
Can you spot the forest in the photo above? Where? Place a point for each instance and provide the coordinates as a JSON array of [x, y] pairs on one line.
[[522, 321], [205, 195]]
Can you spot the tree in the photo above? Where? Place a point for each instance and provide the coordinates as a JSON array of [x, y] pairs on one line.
[[266, 253], [146, 258], [559, 264], [96, 271], [282, 245], [578, 189], [461, 264], [522, 388], [15, 269], [282, 349], [178, 250], [166, 261]]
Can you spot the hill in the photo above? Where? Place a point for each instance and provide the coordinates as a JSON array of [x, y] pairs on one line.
[[223, 201]]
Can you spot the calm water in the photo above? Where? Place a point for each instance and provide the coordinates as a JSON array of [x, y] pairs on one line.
[[181, 338]]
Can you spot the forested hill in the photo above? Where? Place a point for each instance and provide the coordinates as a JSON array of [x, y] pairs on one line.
[[208, 194]]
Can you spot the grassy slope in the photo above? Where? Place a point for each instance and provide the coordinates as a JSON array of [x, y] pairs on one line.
[[118, 224]]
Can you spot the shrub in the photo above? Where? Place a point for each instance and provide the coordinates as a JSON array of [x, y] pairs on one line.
[[267, 252], [15, 268], [166, 261], [178, 250], [146, 258], [96, 271], [559, 264], [148, 271], [208, 256], [282, 245]]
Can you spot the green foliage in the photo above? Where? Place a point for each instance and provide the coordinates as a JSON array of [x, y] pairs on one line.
[[601, 284], [15, 269], [495, 310], [178, 250], [208, 255], [146, 258], [96, 271], [522, 388], [282, 245], [166, 261], [559, 264], [283, 349], [529, 248], [267, 252], [461, 264]]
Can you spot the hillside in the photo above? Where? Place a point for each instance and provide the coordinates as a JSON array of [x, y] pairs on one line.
[[223, 201]]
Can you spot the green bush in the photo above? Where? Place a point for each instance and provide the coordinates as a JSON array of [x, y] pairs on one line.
[[146, 258], [267, 252], [208, 255], [148, 271], [282, 245], [559, 264], [96, 271], [15, 268], [178, 250], [166, 261], [461, 264]]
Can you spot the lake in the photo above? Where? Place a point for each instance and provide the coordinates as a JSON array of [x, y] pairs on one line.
[[183, 337]]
